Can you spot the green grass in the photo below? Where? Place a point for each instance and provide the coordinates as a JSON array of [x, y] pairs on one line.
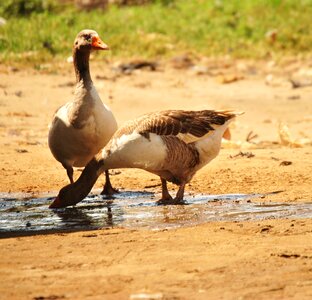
[[212, 28]]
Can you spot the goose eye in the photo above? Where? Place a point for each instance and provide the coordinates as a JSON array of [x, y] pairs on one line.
[[89, 38]]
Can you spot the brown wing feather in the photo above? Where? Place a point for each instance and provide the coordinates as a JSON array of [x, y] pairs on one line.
[[174, 122]]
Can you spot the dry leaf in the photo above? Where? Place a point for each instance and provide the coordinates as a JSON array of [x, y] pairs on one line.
[[229, 78]]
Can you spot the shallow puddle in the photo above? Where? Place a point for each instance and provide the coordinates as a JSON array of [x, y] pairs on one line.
[[21, 216]]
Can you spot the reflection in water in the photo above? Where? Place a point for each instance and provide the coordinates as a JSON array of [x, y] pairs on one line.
[[20, 215]]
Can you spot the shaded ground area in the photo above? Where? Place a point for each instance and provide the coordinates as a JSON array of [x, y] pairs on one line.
[[251, 260]]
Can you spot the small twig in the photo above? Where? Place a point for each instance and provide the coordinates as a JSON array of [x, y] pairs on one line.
[[152, 186], [275, 158], [243, 154], [250, 136]]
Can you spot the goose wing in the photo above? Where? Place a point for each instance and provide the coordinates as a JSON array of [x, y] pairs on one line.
[[189, 126]]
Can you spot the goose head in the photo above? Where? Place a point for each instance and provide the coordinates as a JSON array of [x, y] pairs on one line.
[[69, 195], [75, 192], [87, 40]]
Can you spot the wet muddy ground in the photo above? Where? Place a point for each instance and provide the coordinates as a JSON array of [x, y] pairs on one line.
[[135, 210]]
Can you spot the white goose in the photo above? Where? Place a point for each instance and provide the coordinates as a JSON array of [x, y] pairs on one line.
[[172, 144], [83, 126]]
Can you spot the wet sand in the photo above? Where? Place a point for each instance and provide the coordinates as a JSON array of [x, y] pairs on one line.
[[270, 259]]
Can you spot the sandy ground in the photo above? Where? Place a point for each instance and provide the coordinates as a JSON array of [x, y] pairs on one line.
[[269, 259]]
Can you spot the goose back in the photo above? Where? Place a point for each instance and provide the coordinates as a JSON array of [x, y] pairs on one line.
[[160, 141]]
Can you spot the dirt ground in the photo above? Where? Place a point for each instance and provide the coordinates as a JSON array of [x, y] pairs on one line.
[[269, 259]]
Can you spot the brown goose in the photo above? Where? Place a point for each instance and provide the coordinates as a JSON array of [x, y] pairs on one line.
[[83, 126], [172, 144]]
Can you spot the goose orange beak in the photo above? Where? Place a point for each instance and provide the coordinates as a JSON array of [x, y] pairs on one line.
[[56, 203], [98, 44]]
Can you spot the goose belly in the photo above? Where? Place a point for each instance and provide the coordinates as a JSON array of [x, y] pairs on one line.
[[136, 151], [70, 146], [76, 146]]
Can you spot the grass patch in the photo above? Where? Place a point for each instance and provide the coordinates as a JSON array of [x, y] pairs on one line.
[[212, 28]]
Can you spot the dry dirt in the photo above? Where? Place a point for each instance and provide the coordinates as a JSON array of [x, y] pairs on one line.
[[269, 259]]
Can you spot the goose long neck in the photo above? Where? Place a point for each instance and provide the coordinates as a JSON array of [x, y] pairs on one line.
[[81, 64], [90, 175], [81, 188]]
